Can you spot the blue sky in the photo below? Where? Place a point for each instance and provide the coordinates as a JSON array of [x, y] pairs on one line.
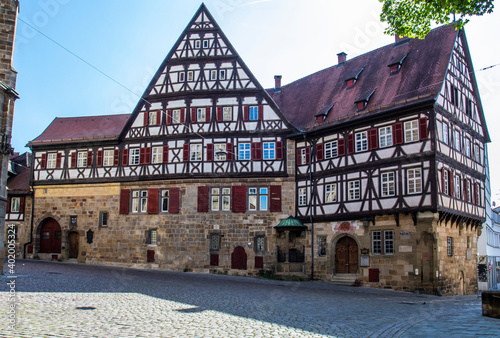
[[128, 39]]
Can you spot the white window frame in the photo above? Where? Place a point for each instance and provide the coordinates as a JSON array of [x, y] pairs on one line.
[[227, 114], [197, 44], [330, 192], [446, 135], [176, 116], [134, 156], [220, 152], [383, 242], [253, 113], [361, 141], [467, 144], [258, 199], [52, 160], [139, 201], [302, 196], [385, 136], [414, 181], [152, 117], [103, 219], [388, 182], [164, 200], [190, 75], [108, 157], [446, 182], [354, 190], [181, 76], [220, 199], [195, 152], [201, 115], [157, 155], [331, 150], [458, 139], [153, 237], [411, 131], [458, 186], [15, 204], [244, 151], [205, 43], [222, 74], [268, 150], [213, 74], [82, 159]]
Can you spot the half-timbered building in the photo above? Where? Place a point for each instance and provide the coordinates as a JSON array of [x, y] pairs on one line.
[[371, 170]]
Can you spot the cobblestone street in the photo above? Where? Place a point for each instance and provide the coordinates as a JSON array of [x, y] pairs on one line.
[[74, 300]]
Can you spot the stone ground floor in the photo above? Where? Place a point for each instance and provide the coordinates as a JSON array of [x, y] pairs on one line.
[[55, 299]]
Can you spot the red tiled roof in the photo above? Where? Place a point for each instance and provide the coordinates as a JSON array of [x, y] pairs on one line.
[[420, 78], [78, 129]]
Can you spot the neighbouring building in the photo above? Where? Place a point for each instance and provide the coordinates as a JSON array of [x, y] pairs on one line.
[[8, 95], [371, 171]]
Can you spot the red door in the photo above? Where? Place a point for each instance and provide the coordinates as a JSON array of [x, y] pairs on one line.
[[50, 237], [346, 256], [239, 258]]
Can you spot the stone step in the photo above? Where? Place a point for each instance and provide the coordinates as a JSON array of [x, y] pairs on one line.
[[344, 279]]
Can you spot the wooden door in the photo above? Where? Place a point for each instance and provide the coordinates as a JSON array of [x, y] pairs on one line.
[[239, 258], [73, 244], [50, 237], [346, 256]]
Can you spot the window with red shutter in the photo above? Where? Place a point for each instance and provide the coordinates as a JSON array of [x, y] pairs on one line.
[[89, 158], [158, 117], [451, 183], [169, 116], [21, 204], [210, 152], [165, 154], [279, 150], [319, 152], [99, 158], [341, 146], [74, 157], [261, 112], [219, 114], [124, 201], [275, 191], [142, 155], [299, 156], [256, 148], [230, 151], [207, 116], [43, 161], [397, 132], [308, 154], [147, 155], [193, 115], [203, 198], [153, 201], [116, 159], [173, 200], [372, 139], [422, 128], [185, 152], [58, 160], [145, 116], [246, 113], [239, 198], [125, 156], [183, 115], [350, 143]]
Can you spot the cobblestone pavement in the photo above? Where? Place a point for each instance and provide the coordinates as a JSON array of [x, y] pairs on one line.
[[57, 299]]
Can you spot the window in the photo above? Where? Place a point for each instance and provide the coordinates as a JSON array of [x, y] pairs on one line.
[[213, 74], [260, 244], [446, 182], [411, 131], [302, 196], [454, 96], [257, 199], [330, 193], [458, 186], [253, 113], [385, 136], [195, 152], [15, 203], [197, 44], [201, 115], [139, 201], [414, 179], [205, 43], [220, 152], [467, 147], [157, 155], [82, 159], [244, 151], [303, 156], [354, 190], [176, 116], [477, 153], [388, 184], [103, 218], [109, 155], [458, 140], [214, 242], [468, 107], [269, 150], [331, 149], [383, 242], [134, 156], [52, 160], [222, 74], [449, 242], [221, 199], [153, 115], [164, 200], [467, 191], [190, 75], [321, 246], [446, 136], [181, 77], [153, 237], [227, 113], [361, 141]]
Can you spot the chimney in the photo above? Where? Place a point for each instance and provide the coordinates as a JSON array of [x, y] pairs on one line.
[[277, 83], [342, 59]]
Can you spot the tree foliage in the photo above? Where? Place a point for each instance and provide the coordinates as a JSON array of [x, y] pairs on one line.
[[413, 18]]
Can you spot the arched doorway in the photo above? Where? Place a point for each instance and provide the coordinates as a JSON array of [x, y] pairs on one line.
[[50, 237], [239, 258], [73, 244], [461, 287], [346, 255]]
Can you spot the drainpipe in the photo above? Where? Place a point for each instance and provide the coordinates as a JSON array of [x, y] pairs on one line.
[[32, 194], [310, 205]]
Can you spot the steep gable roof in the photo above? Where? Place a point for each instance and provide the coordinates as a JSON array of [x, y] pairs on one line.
[[81, 129], [420, 79]]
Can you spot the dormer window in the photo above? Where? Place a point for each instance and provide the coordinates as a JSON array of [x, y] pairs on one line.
[[353, 78], [395, 67], [323, 113], [363, 99]]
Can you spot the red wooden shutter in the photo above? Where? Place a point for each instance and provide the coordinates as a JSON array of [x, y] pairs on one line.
[[397, 133], [146, 116], [43, 161], [165, 154], [279, 150], [372, 139], [153, 201], [169, 116], [219, 114], [261, 112], [341, 146], [207, 114], [147, 155], [350, 143], [256, 149], [183, 115], [74, 157], [203, 198], [158, 117], [116, 158], [308, 154], [210, 152], [246, 113], [7, 208], [443, 187], [58, 160], [89, 158], [99, 158], [239, 198], [185, 152], [193, 115], [299, 156], [320, 154], [230, 151], [465, 190], [142, 155], [124, 201], [422, 128], [275, 191], [125, 156], [21, 205], [173, 200], [451, 180], [476, 194]]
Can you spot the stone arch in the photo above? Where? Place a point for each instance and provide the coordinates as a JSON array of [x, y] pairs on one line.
[[345, 254]]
